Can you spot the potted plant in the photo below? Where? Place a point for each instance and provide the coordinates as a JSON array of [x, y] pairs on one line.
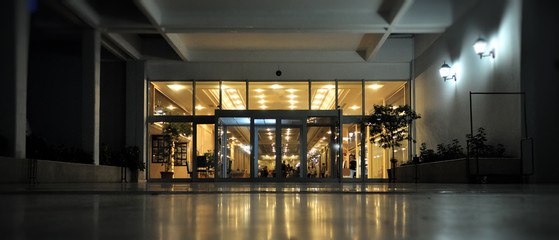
[[131, 157], [172, 134], [388, 126]]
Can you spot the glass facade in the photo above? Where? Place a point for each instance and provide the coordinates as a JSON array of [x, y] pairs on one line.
[[288, 143]]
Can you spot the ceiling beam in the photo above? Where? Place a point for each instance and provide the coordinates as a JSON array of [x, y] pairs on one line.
[[153, 13], [131, 44], [392, 12]]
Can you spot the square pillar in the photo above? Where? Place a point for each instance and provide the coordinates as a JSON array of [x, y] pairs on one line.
[[14, 50], [91, 83], [136, 113]]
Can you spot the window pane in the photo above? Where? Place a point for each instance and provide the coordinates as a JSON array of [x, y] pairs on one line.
[[233, 95], [323, 95], [318, 151], [352, 151], [207, 97], [170, 98], [278, 95], [205, 142], [161, 151], [350, 97], [379, 93]]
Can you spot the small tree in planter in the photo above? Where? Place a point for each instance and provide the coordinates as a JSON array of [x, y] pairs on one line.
[[389, 124], [172, 132]]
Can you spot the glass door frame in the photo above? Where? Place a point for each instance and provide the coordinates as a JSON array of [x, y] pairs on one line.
[[278, 115]]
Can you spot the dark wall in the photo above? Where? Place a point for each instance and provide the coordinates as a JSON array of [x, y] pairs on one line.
[[113, 103], [54, 90], [540, 81]]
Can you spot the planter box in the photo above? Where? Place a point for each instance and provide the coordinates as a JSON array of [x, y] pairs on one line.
[[493, 170], [16, 171]]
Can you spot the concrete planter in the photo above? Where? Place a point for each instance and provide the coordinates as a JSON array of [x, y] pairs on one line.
[[492, 170]]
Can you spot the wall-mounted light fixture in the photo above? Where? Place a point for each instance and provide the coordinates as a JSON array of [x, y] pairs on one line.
[[480, 46], [445, 72]]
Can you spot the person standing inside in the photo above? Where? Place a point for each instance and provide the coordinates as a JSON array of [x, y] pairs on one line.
[[352, 165], [322, 170]]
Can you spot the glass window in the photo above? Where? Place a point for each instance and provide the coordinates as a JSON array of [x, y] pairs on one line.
[[205, 157], [207, 97], [291, 153], [323, 95], [350, 97], [278, 95], [233, 95], [170, 98], [266, 147], [319, 152], [352, 151], [380, 93], [233, 158], [170, 156]]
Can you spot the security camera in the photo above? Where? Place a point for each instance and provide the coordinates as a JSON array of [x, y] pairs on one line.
[[278, 73]]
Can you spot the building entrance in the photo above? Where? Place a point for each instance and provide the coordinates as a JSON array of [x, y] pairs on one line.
[[277, 145]]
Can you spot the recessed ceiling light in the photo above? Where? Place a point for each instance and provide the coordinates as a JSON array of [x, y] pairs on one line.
[[176, 87], [316, 101], [262, 101], [241, 107], [259, 90], [376, 86], [292, 107], [275, 86], [322, 90], [263, 107], [238, 102], [330, 86], [171, 107], [292, 101], [291, 90], [261, 96], [354, 107], [231, 90], [319, 96], [199, 107], [291, 96]]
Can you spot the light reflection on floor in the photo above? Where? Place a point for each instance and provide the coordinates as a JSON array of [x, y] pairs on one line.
[[425, 213]]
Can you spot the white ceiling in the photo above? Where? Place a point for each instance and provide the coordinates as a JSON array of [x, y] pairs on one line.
[[285, 31]]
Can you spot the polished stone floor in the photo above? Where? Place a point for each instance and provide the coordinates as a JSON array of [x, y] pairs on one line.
[[278, 211]]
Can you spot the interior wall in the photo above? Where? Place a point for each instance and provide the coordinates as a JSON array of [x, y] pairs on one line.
[[444, 106], [540, 75]]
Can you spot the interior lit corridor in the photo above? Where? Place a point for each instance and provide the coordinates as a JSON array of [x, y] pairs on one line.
[[279, 211]]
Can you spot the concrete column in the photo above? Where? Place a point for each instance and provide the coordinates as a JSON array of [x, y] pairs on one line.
[[91, 82], [136, 115], [14, 50]]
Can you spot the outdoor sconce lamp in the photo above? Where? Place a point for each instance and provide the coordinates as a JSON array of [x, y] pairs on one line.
[[445, 71], [480, 46]]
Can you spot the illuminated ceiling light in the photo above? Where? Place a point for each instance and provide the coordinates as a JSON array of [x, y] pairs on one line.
[[292, 101], [238, 102], [319, 96], [330, 86], [171, 107], [329, 132], [267, 129], [322, 90], [199, 107], [394, 107], [263, 107], [241, 107], [291, 96], [287, 138], [376, 86], [316, 101], [355, 107], [262, 101], [269, 133], [232, 138], [259, 90], [292, 107], [314, 107], [235, 96], [261, 96], [291, 90], [271, 137], [176, 87], [275, 86], [445, 71], [231, 90]]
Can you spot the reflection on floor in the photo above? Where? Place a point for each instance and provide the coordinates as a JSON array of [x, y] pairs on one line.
[[278, 211]]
